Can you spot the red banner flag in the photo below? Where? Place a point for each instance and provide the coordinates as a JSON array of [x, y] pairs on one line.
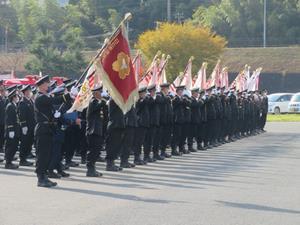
[[117, 72]]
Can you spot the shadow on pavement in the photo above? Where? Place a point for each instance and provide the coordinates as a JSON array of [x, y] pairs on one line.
[[257, 207], [117, 196]]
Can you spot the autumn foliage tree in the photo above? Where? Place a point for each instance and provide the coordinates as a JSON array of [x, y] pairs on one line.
[[181, 41]]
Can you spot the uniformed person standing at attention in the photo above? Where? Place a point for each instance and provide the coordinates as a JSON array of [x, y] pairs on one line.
[[115, 135], [3, 100], [94, 131], [45, 127], [27, 123], [12, 130]]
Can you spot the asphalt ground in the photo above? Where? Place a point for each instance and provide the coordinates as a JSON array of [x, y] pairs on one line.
[[254, 181]]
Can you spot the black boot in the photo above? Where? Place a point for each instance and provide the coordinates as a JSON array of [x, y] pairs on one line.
[[91, 172], [25, 163], [166, 155], [158, 157], [63, 173], [191, 149], [11, 166], [126, 164], [53, 175], [43, 181], [139, 161], [110, 166]]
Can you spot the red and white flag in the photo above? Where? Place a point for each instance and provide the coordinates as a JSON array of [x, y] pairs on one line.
[[84, 96], [201, 77], [116, 69], [215, 76], [175, 84], [224, 78], [187, 75], [253, 84], [137, 66], [146, 78]]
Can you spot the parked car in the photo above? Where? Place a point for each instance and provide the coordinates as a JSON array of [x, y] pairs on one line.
[[294, 105], [279, 102]]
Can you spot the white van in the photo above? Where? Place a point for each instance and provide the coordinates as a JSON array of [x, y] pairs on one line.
[[279, 102]]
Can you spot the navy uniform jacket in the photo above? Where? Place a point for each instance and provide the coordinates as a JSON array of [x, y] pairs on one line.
[[211, 110], [12, 120], [44, 112], [153, 111], [234, 106], [187, 109], [195, 111], [142, 112], [164, 110], [115, 115], [203, 109], [94, 117], [178, 110], [2, 109], [131, 118], [26, 113]]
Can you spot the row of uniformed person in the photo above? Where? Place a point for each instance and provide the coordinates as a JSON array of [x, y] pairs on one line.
[[157, 121]]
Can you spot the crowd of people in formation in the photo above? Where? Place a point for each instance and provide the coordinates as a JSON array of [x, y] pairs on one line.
[[37, 118]]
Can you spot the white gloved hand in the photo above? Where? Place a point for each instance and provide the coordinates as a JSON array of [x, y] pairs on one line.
[[11, 134], [24, 130], [74, 92], [57, 114]]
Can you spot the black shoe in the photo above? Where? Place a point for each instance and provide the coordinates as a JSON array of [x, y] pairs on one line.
[[127, 165], [11, 166], [100, 159], [63, 174], [176, 153], [54, 175], [113, 168], [44, 183], [158, 157], [192, 150], [186, 151], [166, 155], [53, 184], [25, 163], [139, 162], [149, 160], [31, 156], [83, 161], [91, 172], [72, 164]]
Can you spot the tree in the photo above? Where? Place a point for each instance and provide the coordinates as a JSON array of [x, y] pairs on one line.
[[57, 61], [181, 42], [242, 21]]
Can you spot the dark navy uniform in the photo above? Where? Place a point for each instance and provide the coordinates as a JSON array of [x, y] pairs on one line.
[[12, 133], [94, 131], [44, 129], [27, 122], [143, 119], [115, 135]]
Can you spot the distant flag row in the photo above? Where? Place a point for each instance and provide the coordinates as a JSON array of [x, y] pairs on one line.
[[156, 74]]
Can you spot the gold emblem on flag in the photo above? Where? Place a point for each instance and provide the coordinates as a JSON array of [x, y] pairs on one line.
[[121, 65]]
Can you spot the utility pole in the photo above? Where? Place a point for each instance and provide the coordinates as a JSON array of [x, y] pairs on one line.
[[6, 39], [169, 10], [265, 24]]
